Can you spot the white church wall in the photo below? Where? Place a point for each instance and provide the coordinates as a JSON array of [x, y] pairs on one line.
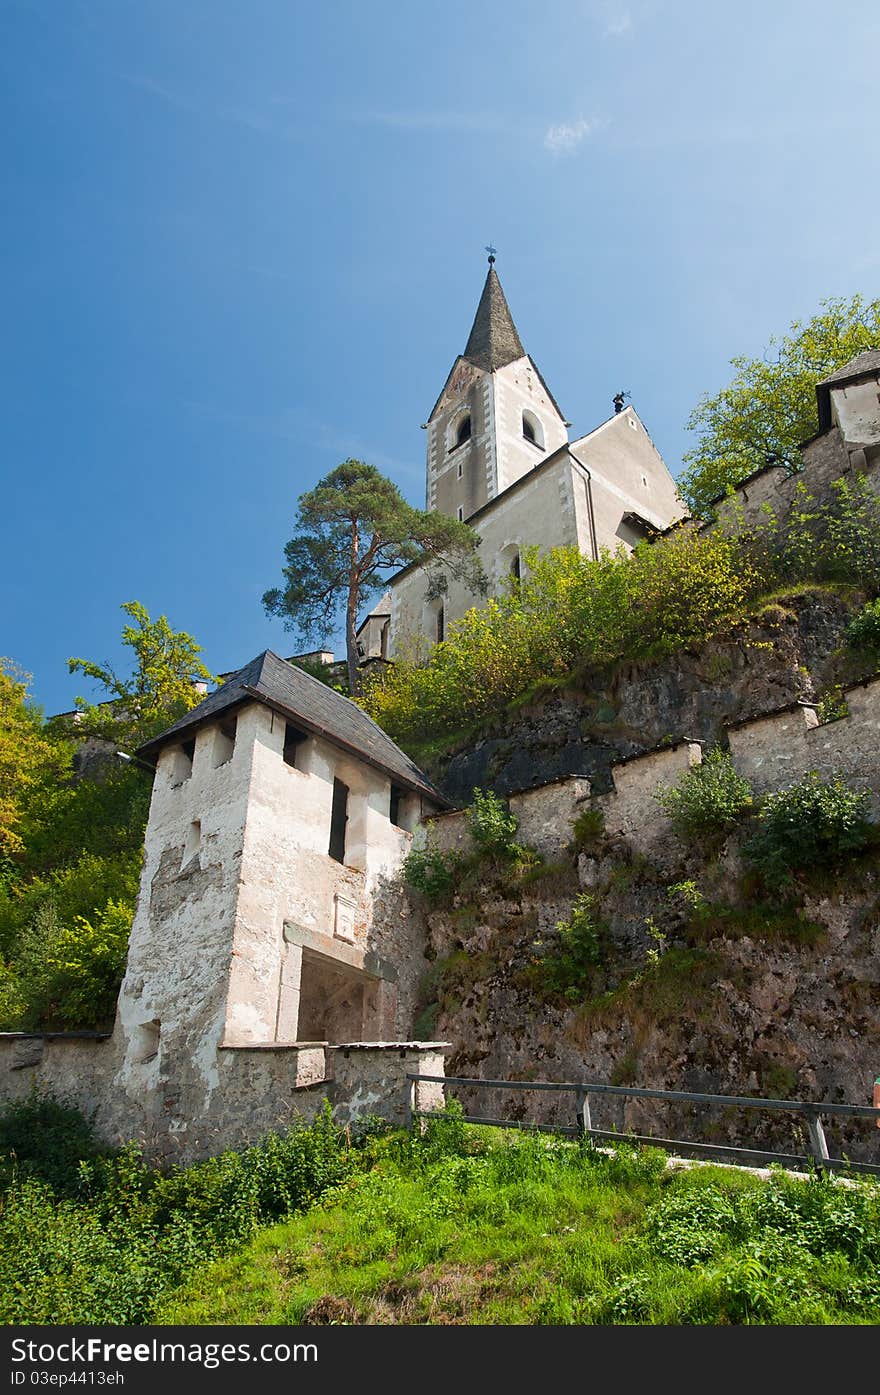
[[538, 512], [627, 474], [519, 389]]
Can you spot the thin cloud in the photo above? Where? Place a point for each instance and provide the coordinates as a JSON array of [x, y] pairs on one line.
[[238, 116], [565, 137]]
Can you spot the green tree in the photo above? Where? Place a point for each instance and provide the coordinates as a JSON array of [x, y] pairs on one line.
[[161, 688], [769, 407], [29, 760], [354, 528]]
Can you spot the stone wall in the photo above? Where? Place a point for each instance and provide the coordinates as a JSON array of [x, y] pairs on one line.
[[759, 665], [260, 1088]]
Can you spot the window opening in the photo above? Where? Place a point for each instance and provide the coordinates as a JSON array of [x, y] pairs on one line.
[[338, 820], [394, 810], [293, 738], [464, 431], [441, 624]]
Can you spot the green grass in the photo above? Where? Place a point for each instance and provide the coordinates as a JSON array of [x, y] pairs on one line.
[[529, 1230]]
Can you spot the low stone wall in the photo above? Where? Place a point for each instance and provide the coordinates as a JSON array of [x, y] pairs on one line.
[[631, 811], [772, 751], [260, 1089], [546, 814], [776, 750]]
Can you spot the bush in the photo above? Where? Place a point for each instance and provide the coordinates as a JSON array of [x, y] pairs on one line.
[[709, 798], [432, 873], [863, 631], [492, 825], [88, 1236], [566, 964], [814, 823], [587, 827]]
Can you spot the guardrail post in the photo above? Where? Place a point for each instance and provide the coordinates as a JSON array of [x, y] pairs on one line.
[[818, 1145], [410, 1101], [583, 1117]]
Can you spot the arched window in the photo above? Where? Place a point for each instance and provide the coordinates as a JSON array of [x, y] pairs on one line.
[[531, 429], [464, 430], [515, 566]]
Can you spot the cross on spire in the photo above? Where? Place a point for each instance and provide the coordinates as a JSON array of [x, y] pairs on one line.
[[492, 253]]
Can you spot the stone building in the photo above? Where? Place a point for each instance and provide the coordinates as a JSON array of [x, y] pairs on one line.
[[272, 959], [500, 459]]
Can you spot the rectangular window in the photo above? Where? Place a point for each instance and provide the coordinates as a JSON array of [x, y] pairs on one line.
[[460, 514], [293, 738], [441, 625], [460, 469], [338, 820], [394, 811]]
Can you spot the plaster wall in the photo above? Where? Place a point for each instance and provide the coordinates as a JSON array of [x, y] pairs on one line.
[[854, 410], [541, 511], [628, 474], [518, 389]]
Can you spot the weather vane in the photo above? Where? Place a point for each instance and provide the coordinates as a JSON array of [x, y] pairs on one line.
[[492, 251]]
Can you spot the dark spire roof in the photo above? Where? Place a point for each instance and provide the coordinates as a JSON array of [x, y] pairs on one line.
[[493, 339], [310, 704]]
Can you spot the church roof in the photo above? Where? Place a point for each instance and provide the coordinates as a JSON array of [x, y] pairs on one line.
[[864, 365], [493, 340], [310, 704]]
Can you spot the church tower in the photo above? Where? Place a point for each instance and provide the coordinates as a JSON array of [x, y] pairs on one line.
[[495, 418]]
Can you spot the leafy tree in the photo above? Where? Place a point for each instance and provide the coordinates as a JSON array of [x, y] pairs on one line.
[[161, 689], [769, 407], [29, 760], [352, 529]]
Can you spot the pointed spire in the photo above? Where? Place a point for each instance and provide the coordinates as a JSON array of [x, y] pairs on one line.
[[493, 339]]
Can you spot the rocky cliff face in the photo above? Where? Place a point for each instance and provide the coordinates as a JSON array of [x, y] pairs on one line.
[[746, 998], [702, 981], [786, 652]]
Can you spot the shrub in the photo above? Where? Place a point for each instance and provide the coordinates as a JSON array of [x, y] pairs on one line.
[[432, 873], [587, 827], [815, 822], [568, 962], [709, 798], [492, 825], [92, 1237], [863, 631]]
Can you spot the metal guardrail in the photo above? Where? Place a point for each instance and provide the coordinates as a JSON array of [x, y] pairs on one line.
[[811, 1112]]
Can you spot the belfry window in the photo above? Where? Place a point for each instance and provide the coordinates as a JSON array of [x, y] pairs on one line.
[[531, 429], [464, 430]]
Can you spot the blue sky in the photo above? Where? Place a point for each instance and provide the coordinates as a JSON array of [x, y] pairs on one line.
[[242, 242]]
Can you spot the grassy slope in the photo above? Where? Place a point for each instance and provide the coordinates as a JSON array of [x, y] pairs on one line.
[[524, 1232]]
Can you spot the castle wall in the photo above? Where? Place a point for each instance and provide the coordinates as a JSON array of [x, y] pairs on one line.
[[245, 924], [545, 814], [260, 1089]]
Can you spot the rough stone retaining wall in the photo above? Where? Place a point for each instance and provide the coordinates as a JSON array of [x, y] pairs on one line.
[[260, 1089]]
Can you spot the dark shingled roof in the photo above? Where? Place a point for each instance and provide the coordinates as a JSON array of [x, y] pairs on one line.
[[493, 339], [864, 365], [868, 361], [309, 703]]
